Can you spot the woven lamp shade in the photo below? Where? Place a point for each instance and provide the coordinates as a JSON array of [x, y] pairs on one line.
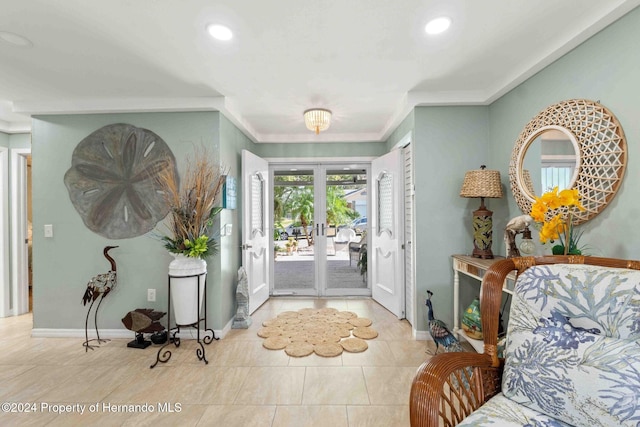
[[482, 183]]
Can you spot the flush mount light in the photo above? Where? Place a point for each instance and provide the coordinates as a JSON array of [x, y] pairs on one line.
[[438, 25], [15, 39], [220, 32], [317, 119]]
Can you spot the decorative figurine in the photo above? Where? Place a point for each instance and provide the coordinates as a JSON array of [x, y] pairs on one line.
[[516, 226], [242, 319], [98, 287], [143, 321], [439, 331]]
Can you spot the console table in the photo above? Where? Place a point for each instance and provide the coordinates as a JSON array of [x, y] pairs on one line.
[[476, 268]]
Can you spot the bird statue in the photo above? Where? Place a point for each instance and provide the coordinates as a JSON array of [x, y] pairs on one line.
[[441, 335], [142, 321], [98, 287], [514, 227]]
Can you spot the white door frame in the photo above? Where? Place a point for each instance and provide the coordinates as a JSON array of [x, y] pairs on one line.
[[19, 255], [411, 301], [5, 294]]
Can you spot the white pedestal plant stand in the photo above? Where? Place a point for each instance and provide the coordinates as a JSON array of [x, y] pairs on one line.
[[187, 288]]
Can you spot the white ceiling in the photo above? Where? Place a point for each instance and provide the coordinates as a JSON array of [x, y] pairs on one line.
[[369, 61]]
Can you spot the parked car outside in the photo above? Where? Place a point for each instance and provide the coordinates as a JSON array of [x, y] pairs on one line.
[[359, 225]]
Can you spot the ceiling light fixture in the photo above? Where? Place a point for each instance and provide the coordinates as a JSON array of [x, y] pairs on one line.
[[317, 119], [219, 32], [438, 25]]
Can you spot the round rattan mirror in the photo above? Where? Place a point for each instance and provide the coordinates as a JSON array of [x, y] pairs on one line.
[[597, 168]]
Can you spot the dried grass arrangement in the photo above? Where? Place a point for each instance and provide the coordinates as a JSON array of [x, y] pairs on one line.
[[192, 206]]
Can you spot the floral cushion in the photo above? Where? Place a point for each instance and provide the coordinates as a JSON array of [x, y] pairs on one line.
[[503, 412], [573, 347]]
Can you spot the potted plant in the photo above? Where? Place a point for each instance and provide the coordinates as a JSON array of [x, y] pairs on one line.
[[190, 239]]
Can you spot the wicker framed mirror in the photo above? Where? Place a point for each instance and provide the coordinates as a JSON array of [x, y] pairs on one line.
[[592, 160]]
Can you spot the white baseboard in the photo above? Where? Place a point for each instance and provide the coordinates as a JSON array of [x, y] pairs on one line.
[[422, 336]]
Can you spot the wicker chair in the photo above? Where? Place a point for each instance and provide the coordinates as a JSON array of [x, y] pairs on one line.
[[450, 386]]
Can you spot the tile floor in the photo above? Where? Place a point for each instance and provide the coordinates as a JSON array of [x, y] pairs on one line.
[[243, 384]]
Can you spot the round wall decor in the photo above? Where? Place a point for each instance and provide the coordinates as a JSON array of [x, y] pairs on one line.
[[113, 180], [601, 154]]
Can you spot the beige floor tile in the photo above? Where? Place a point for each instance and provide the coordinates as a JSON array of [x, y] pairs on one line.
[[389, 385], [311, 416], [31, 384], [410, 353], [272, 386], [335, 386], [392, 329], [9, 371], [186, 384], [260, 356], [183, 416], [378, 354], [310, 390], [35, 419], [378, 416], [237, 416], [88, 384], [99, 418], [315, 360]]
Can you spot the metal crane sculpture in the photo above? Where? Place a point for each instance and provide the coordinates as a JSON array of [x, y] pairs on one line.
[[439, 331], [98, 287]]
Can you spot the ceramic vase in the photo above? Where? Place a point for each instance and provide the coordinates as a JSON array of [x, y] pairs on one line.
[[471, 323], [187, 285]]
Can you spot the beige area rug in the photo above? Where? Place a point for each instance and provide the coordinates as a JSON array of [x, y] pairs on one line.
[[326, 332]]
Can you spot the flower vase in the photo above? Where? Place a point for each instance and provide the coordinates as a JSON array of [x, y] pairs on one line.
[[187, 276], [471, 323]]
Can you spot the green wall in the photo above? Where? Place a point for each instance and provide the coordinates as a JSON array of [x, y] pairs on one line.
[[65, 263], [232, 142], [448, 142], [407, 125], [4, 139], [605, 69], [20, 140]]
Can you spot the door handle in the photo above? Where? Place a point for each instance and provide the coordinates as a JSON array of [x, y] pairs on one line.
[[317, 229], [323, 228], [246, 246]]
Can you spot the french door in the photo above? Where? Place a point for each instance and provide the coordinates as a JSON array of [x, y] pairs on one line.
[[320, 229]]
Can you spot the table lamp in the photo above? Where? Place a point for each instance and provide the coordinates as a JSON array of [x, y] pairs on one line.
[[482, 183]]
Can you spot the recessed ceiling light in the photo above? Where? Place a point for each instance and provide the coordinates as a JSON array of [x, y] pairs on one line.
[[438, 25], [220, 32], [15, 39]]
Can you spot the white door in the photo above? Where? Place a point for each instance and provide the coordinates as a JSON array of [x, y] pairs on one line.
[[255, 229], [386, 264], [19, 243], [5, 285]]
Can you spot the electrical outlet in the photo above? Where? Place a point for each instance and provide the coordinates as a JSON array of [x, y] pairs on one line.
[[151, 295]]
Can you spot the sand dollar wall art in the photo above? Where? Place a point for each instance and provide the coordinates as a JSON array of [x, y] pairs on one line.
[[113, 180]]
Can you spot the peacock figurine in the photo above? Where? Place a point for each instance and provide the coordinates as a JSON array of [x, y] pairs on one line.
[[440, 332]]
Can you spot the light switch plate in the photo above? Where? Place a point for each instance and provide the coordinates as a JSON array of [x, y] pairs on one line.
[[48, 230]]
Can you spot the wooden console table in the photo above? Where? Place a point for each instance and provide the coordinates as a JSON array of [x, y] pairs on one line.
[[476, 268]]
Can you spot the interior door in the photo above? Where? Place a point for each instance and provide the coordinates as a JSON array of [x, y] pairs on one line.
[[256, 256], [386, 264]]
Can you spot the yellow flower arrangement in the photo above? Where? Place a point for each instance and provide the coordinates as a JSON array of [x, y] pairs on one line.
[[560, 225]]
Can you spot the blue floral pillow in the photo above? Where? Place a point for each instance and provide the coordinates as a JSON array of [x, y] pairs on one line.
[[573, 347]]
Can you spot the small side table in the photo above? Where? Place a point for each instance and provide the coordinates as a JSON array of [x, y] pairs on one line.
[[476, 268]]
